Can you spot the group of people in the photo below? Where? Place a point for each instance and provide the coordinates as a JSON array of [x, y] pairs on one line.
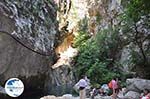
[[112, 89], [104, 90]]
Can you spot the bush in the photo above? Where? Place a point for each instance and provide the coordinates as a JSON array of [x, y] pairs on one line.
[[94, 56], [99, 73]]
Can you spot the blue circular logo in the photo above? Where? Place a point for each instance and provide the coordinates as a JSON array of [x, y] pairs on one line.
[[14, 87]]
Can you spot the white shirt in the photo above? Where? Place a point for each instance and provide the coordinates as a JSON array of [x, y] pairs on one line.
[[82, 83]]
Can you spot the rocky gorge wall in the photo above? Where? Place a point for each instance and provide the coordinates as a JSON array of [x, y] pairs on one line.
[[31, 41], [36, 39], [99, 15], [28, 36], [31, 21]]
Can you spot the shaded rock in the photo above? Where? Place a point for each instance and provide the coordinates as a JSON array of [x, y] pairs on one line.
[[60, 81], [61, 74], [18, 61], [2, 90], [28, 36]]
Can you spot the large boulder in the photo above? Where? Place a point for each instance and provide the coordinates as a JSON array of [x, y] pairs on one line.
[[132, 95], [137, 84]]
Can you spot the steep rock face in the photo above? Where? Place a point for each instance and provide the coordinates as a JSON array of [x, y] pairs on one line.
[[70, 13], [28, 35], [103, 13], [32, 22], [106, 15], [61, 77], [18, 61]]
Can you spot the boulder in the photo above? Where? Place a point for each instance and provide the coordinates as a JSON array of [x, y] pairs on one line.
[[137, 84], [132, 95]]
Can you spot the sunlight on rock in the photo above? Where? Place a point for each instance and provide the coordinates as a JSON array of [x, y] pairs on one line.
[[65, 57]]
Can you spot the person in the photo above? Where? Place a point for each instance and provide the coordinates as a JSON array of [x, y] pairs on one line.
[[146, 94], [87, 80], [114, 87], [93, 93], [101, 92], [104, 90], [82, 84]]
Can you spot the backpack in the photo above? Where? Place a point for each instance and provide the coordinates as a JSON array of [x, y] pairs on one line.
[[110, 85]]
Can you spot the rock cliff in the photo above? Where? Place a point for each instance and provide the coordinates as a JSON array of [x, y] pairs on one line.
[[36, 39], [28, 37]]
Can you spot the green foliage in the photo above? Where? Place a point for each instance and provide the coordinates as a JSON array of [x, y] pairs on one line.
[[81, 39], [99, 73], [138, 8], [136, 58], [95, 56]]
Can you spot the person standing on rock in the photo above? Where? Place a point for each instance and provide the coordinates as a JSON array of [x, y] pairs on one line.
[[114, 87], [82, 85]]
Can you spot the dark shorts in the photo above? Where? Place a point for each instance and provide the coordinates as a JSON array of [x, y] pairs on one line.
[[81, 88], [117, 90]]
